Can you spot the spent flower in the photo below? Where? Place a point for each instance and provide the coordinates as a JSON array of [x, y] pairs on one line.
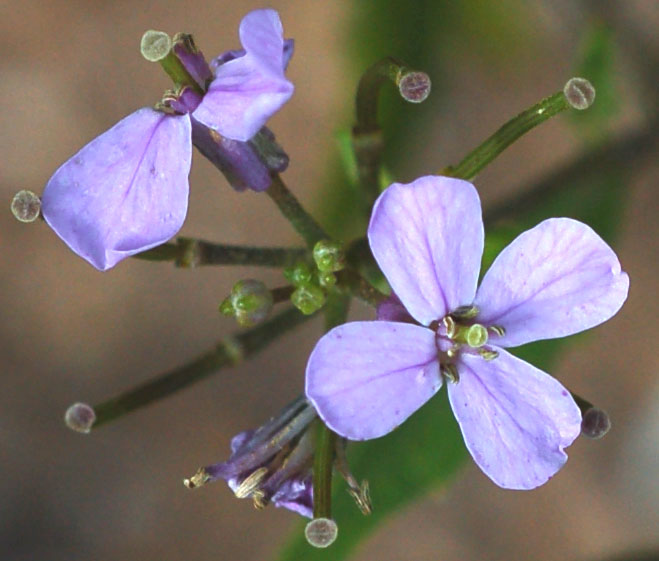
[[559, 278], [127, 190]]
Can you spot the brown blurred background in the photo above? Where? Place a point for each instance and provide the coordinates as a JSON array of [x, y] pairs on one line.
[[69, 70]]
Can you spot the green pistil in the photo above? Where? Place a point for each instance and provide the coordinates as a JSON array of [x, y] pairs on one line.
[[473, 335]]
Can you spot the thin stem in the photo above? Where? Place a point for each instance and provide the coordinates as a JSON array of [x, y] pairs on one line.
[[476, 160], [228, 352], [622, 152], [360, 287], [367, 139], [188, 252], [322, 472], [290, 207]]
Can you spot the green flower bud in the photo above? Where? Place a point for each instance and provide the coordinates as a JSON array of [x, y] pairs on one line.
[[327, 279], [329, 256], [308, 298], [299, 274], [250, 302]]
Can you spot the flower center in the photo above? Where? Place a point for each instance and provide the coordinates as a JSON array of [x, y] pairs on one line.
[[459, 332]]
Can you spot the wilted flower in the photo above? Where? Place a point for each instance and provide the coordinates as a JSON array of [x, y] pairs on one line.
[[559, 278], [271, 464], [127, 190]]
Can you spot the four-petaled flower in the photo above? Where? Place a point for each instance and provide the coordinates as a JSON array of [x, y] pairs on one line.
[[127, 190], [559, 278]]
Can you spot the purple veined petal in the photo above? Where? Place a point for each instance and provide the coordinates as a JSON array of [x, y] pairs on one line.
[[249, 89], [126, 191], [554, 280], [427, 237], [516, 420], [366, 378], [392, 309], [296, 495]]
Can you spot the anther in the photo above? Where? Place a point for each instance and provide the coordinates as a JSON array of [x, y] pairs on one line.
[[321, 532], [362, 496], [197, 480], [488, 354], [450, 372], [465, 312], [497, 330], [449, 324], [250, 483]]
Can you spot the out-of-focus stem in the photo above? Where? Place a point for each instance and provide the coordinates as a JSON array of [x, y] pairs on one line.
[[227, 352], [290, 207], [188, 252]]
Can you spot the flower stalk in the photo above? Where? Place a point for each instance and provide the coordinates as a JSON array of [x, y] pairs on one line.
[[367, 141], [228, 352], [482, 155], [303, 223], [190, 253]]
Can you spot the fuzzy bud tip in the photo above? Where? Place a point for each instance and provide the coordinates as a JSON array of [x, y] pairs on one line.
[[579, 93], [595, 423], [26, 206], [414, 86], [80, 417], [155, 45], [321, 532]]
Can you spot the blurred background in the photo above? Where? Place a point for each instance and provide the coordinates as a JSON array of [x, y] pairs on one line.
[[72, 68]]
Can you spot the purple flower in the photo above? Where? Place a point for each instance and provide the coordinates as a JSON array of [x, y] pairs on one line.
[[559, 278], [272, 464], [127, 190]]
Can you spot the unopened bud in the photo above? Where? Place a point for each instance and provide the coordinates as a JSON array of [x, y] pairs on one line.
[[579, 93], [321, 532], [250, 302], [414, 86], [80, 417], [155, 45], [308, 298], [595, 423], [329, 256], [25, 206], [299, 274]]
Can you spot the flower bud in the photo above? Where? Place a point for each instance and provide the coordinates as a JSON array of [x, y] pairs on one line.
[[579, 92], [308, 298], [321, 532], [298, 275], [250, 302], [329, 256], [80, 417], [26, 206]]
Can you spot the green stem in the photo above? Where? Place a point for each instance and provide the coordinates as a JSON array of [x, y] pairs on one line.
[[367, 139], [359, 287], [188, 252], [624, 152], [290, 207], [228, 352], [476, 160], [322, 472]]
